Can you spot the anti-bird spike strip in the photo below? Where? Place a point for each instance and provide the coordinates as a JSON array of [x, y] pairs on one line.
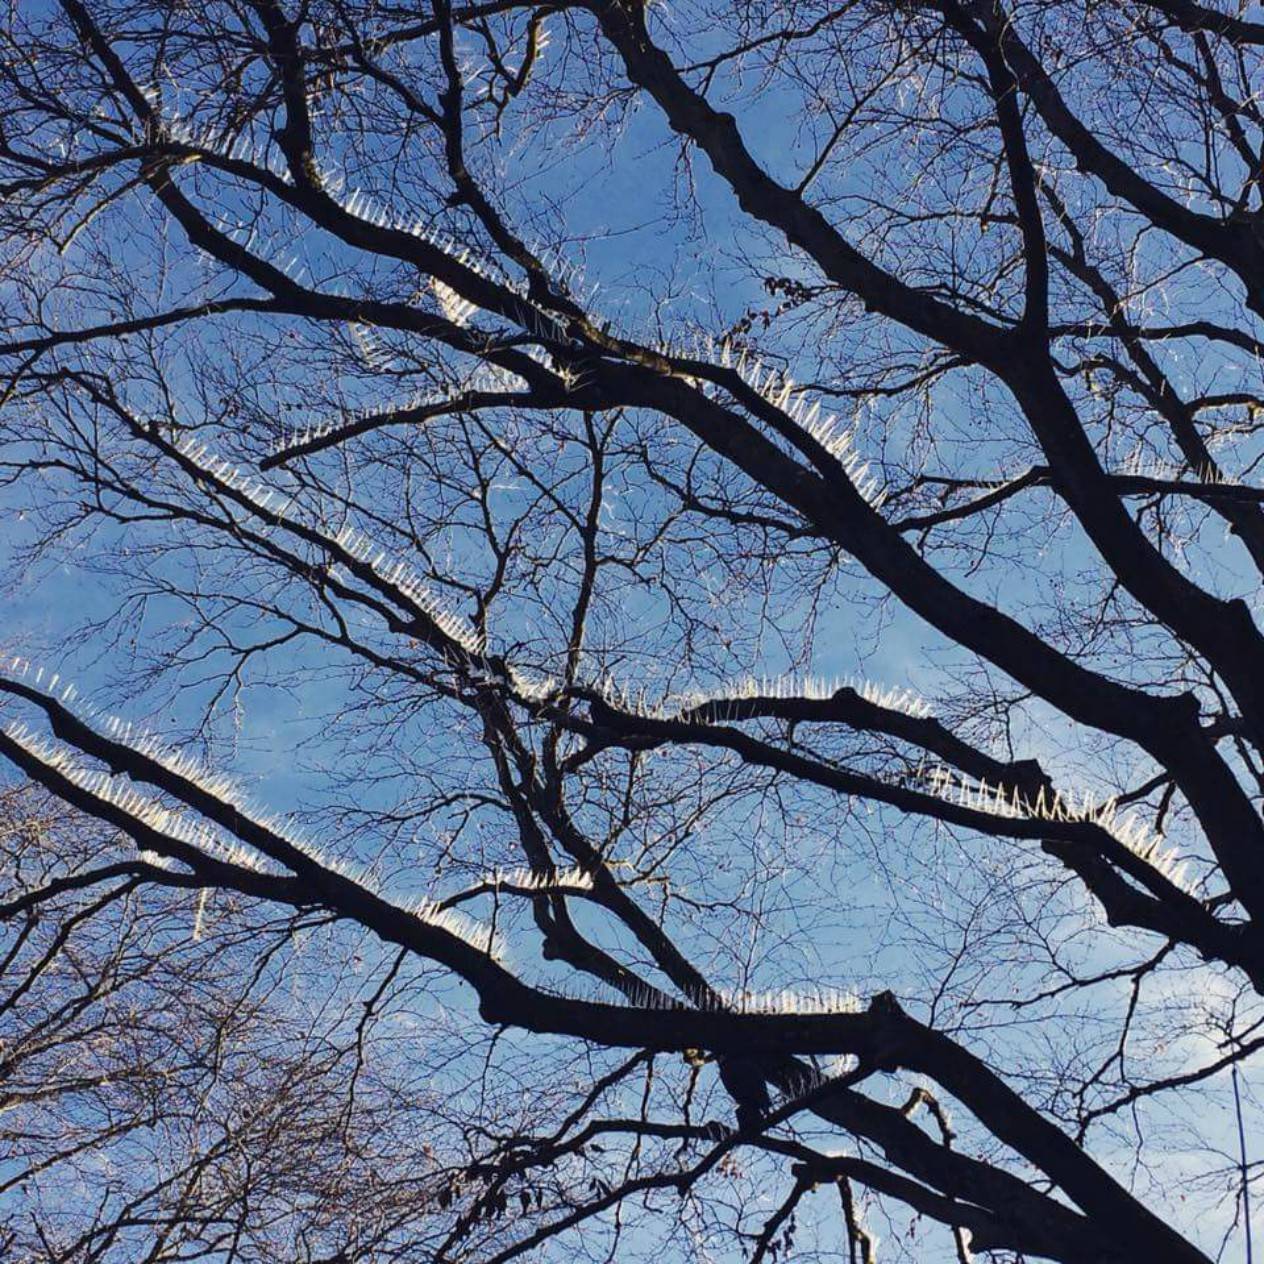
[[531, 688], [560, 881], [370, 350], [359, 205], [119, 792], [363, 207], [775, 1001], [454, 308], [145, 743], [475, 933], [775, 387], [807, 1080], [813, 688], [392, 572], [179, 131], [397, 574], [779, 390], [486, 377], [953, 787], [1009, 803], [1140, 465]]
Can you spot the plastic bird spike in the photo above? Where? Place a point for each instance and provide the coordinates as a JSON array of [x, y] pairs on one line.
[[486, 377], [773, 1002], [779, 390], [145, 810], [454, 308], [1010, 804], [561, 881], [180, 132], [393, 573]]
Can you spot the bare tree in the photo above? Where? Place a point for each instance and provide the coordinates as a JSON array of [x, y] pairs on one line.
[[518, 437]]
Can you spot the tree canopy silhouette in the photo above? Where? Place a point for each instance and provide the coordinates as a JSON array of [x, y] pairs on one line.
[[634, 632]]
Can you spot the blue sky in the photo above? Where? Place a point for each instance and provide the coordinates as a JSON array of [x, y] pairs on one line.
[[664, 247]]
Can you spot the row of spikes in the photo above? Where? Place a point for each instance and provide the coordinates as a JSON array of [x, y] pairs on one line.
[[394, 573], [289, 265], [259, 493], [808, 1080], [779, 390], [1011, 804], [486, 377], [774, 386], [382, 359], [565, 273], [1142, 465], [561, 881], [140, 739], [361, 206], [475, 933], [371, 350], [452, 306], [120, 794], [531, 688], [147, 811], [456, 309], [775, 1001], [224, 789], [400, 576], [176, 129], [146, 743], [782, 688]]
